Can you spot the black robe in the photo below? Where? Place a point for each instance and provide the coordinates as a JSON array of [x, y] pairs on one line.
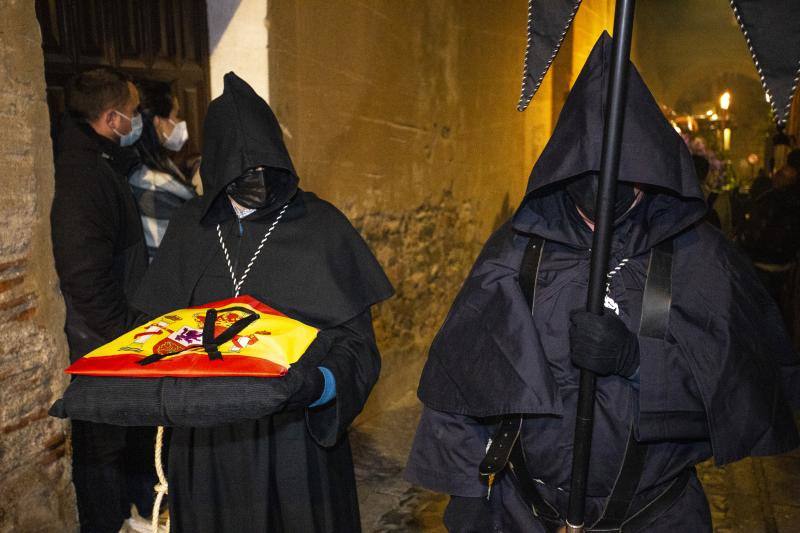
[[291, 471], [712, 385]]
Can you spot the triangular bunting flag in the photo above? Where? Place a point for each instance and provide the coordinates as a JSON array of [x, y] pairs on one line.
[[548, 23], [772, 31]]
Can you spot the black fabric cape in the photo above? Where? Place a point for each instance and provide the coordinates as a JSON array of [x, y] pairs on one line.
[[713, 384]]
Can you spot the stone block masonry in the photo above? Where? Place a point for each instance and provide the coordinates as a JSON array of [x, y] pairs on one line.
[[34, 466], [426, 252]]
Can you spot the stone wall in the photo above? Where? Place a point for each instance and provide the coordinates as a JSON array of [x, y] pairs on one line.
[[403, 115], [34, 469]]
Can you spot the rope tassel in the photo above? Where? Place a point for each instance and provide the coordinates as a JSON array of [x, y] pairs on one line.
[[161, 487]]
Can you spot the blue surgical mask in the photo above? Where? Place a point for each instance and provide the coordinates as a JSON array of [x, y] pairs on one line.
[[136, 130]]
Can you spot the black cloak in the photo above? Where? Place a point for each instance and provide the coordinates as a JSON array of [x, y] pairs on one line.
[[712, 385], [291, 471]]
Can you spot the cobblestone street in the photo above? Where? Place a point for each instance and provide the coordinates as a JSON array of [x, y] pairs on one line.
[[753, 495]]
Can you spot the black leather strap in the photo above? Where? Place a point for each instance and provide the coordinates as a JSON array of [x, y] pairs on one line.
[[639, 522], [529, 269], [499, 450], [657, 292], [619, 501], [526, 486]]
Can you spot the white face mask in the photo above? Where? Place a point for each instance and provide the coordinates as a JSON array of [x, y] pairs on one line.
[[178, 137], [136, 130]]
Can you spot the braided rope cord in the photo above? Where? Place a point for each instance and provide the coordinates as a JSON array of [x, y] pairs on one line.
[[609, 302], [613, 272], [237, 283], [162, 486]]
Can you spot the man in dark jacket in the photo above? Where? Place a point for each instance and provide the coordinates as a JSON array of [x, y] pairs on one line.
[[689, 351], [100, 258]]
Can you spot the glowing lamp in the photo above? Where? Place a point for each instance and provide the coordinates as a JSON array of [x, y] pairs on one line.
[[725, 100]]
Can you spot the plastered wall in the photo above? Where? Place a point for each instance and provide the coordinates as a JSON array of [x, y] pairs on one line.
[[404, 115]]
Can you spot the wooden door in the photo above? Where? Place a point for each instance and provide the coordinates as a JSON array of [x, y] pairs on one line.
[[164, 40]]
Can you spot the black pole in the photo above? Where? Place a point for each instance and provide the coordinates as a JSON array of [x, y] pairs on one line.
[[612, 141]]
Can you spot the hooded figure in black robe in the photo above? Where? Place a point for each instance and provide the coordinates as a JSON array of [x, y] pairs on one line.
[[291, 471], [710, 386]]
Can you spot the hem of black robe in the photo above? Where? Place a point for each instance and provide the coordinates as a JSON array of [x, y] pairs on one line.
[[445, 482]]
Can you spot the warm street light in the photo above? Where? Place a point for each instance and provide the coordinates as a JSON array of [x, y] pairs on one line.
[[724, 104], [725, 100]]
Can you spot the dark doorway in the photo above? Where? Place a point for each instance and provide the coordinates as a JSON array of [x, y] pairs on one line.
[[163, 40]]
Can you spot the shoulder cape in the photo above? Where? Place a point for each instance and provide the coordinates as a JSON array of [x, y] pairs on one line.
[[315, 267], [487, 360]]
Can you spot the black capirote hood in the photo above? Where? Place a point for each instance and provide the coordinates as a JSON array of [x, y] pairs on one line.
[[652, 154], [241, 132]]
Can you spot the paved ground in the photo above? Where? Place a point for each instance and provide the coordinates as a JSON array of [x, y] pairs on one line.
[[753, 495]]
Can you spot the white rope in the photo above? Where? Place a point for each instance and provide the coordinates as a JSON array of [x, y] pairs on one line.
[[609, 302], [237, 283], [162, 486], [613, 272]]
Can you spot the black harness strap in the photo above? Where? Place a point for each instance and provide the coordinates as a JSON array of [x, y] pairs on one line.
[[619, 501], [526, 485], [656, 301], [506, 449], [654, 321], [529, 269], [657, 292], [499, 450], [658, 505]]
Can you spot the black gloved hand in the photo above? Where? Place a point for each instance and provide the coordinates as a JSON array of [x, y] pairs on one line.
[[603, 344], [308, 383]]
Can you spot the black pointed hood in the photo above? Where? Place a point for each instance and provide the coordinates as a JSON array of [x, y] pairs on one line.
[[652, 154], [241, 132]]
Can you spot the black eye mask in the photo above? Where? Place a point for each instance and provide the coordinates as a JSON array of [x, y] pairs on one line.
[[251, 190], [583, 193]]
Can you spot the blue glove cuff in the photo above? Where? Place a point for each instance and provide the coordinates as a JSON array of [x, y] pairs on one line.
[[329, 391]]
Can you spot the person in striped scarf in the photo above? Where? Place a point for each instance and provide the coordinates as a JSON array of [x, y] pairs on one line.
[[158, 184]]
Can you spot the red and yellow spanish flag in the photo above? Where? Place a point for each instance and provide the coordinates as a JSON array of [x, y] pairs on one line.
[[235, 337]]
